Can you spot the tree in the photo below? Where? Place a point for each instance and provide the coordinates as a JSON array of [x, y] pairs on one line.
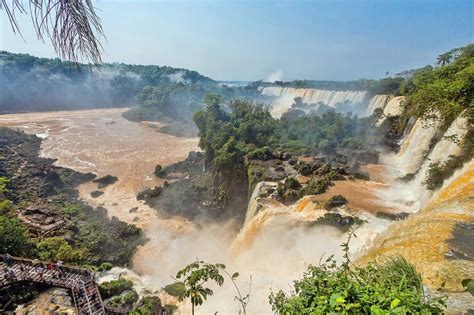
[[14, 237], [56, 248], [213, 103], [196, 275], [73, 27], [444, 59]]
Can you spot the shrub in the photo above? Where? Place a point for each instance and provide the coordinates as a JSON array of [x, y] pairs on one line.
[[391, 287], [438, 172], [105, 266], [126, 299], [304, 168], [56, 248], [147, 305], [3, 184], [114, 287], [70, 210], [316, 186], [292, 183], [5, 206]]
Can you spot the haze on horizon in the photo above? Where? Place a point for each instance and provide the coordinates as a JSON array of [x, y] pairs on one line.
[[252, 40]]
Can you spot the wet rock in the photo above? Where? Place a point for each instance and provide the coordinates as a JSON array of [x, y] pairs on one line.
[[280, 168], [42, 221], [341, 158], [105, 181], [371, 157], [462, 244], [150, 193], [360, 175], [273, 175], [52, 301], [339, 221], [392, 216], [335, 201], [159, 172], [285, 156], [96, 193], [290, 195], [266, 191]]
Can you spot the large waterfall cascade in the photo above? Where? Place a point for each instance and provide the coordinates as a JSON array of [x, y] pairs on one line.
[[283, 98]]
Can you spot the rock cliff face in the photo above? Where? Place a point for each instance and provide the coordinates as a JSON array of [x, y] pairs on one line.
[[52, 301]]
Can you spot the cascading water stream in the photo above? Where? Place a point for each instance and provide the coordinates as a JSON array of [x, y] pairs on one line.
[[412, 195], [378, 101], [284, 96]]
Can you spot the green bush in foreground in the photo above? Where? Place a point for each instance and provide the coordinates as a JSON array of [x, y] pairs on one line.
[[391, 287], [147, 305]]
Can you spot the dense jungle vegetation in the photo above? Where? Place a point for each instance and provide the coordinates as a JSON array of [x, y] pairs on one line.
[[76, 86]]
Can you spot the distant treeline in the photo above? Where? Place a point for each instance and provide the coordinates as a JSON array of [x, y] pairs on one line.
[[30, 83], [383, 86]]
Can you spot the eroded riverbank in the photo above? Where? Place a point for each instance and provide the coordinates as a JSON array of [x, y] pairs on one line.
[[102, 142]]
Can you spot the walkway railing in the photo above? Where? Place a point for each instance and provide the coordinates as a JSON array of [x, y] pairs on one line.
[[79, 281]]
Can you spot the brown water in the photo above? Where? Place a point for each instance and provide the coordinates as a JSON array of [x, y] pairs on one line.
[[100, 141]]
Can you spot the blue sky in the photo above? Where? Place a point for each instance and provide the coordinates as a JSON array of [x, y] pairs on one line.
[[250, 40]]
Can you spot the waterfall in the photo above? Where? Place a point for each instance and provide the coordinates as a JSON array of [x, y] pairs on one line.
[[413, 195], [255, 202], [394, 107], [283, 97], [413, 148], [378, 101]]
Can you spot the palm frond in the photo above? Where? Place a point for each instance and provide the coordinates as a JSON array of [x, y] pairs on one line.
[[72, 26]]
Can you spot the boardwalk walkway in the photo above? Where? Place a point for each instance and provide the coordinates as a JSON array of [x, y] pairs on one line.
[[79, 281]]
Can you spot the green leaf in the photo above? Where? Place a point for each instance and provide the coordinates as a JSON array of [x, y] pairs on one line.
[[335, 299], [394, 303], [235, 275], [469, 285]]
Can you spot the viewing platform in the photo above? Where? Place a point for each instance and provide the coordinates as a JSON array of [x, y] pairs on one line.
[[80, 282]]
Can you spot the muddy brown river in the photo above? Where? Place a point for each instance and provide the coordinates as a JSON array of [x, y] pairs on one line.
[[100, 141]]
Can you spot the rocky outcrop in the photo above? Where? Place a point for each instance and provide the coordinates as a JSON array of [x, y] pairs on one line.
[[105, 181], [52, 301]]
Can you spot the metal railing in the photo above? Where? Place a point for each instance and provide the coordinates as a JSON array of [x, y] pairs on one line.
[[79, 280]]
